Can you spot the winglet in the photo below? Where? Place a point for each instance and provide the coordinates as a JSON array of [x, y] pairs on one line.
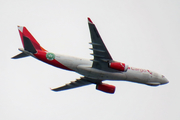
[[90, 21], [54, 89], [20, 28]]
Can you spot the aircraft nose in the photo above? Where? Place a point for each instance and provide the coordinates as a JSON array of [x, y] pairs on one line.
[[164, 81]]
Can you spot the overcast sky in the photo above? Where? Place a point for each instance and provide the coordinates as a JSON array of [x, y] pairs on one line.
[[142, 34]]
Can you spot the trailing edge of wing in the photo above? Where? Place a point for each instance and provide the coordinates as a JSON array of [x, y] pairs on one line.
[[74, 84]]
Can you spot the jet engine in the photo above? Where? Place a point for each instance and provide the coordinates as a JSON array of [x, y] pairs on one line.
[[106, 88], [118, 66]]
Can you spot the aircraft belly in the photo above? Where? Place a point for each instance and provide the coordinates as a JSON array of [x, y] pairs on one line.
[[90, 72], [72, 62]]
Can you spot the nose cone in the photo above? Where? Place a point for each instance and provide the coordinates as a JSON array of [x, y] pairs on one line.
[[164, 81]]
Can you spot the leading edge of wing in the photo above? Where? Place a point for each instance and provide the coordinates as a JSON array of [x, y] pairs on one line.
[[74, 84]]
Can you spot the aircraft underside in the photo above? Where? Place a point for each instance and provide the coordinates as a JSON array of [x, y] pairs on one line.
[[101, 67]]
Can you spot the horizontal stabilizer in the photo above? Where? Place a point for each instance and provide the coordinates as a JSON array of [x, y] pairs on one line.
[[21, 55]]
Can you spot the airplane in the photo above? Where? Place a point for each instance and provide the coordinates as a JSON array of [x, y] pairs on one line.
[[102, 67]]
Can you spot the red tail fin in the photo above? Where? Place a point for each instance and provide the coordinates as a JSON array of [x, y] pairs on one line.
[[29, 42]]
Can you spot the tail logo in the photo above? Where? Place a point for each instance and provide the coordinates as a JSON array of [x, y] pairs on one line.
[[50, 56]]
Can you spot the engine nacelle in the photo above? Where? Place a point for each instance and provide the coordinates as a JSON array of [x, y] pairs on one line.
[[118, 66], [106, 88]]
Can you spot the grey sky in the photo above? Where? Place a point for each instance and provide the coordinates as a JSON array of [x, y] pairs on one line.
[[143, 34]]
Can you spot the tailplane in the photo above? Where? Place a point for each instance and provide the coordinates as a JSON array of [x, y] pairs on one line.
[[20, 55], [31, 46]]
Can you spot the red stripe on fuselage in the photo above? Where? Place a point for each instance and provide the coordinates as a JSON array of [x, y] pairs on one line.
[[41, 55]]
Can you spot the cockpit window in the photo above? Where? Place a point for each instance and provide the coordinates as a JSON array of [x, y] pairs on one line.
[[162, 76]]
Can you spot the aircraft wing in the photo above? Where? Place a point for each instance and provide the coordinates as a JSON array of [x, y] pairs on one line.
[[100, 52], [74, 84]]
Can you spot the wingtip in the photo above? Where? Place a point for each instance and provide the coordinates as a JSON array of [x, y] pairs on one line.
[[53, 89], [90, 21], [20, 28]]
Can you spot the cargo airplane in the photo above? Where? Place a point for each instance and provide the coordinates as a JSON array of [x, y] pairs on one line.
[[102, 67]]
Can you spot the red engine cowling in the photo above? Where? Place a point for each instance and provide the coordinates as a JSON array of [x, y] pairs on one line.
[[118, 66], [106, 88]]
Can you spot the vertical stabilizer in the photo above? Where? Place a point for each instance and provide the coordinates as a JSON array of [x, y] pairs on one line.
[[29, 42], [31, 46]]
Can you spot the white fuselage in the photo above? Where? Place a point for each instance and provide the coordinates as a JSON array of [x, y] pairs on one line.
[[101, 67], [84, 67]]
